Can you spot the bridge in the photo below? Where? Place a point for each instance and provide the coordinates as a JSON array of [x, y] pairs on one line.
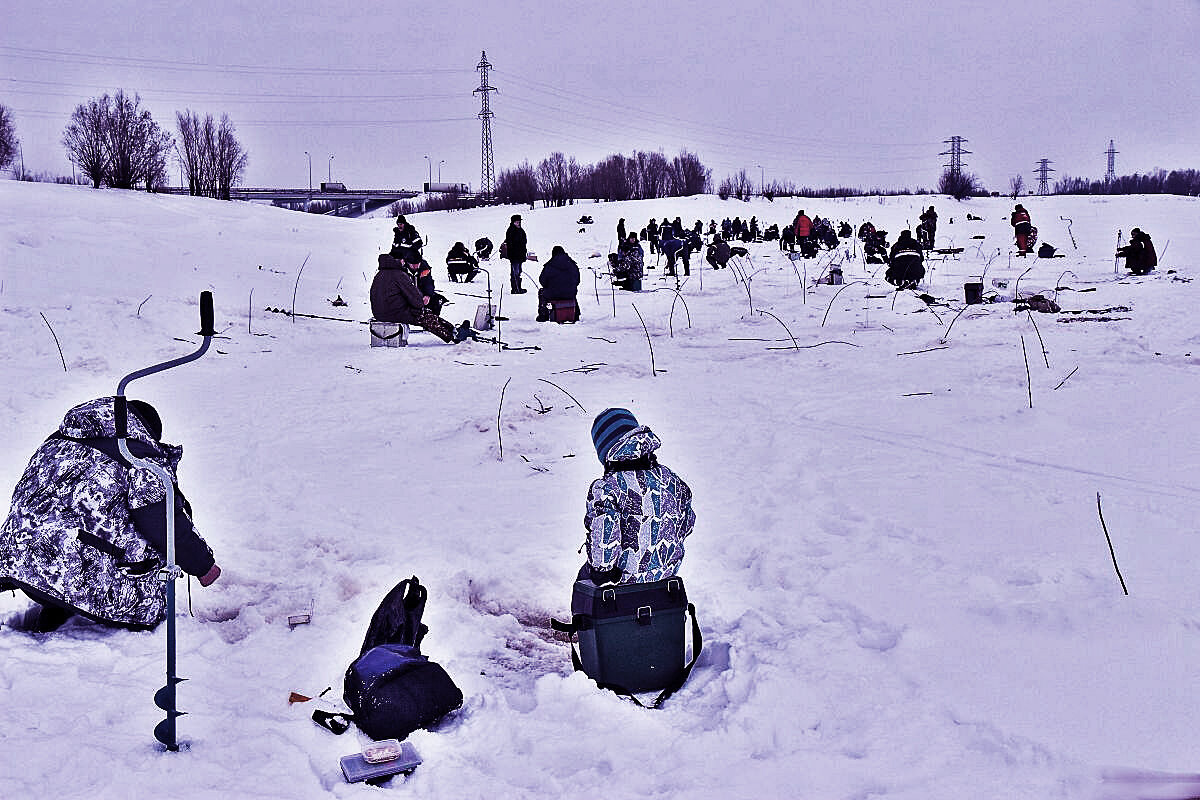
[[363, 200]]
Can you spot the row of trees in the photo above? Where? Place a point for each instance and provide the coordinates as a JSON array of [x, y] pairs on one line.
[[115, 142], [558, 180], [1177, 181]]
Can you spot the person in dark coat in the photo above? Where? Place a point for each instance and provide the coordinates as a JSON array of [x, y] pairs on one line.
[[670, 245], [516, 251], [787, 238], [927, 230], [406, 242], [559, 281], [718, 254], [87, 530], [1140, 257], [621, 230], [652, 235], [461, 266], [629, 265], [396, 298], [423, 275], [906, 265], [639, 512]]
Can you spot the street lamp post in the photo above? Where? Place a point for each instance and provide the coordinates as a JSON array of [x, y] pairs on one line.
[[330, 165], [761, 179], [430, 162], [306, 155], [443, 161]]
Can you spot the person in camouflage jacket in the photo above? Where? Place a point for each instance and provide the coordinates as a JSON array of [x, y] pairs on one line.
[[639, 512], [86, 532]]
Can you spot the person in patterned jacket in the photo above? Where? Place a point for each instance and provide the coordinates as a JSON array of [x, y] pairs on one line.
[[87, 532], [639, 512]]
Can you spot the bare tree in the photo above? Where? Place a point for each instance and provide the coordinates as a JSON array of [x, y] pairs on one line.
[[738, 186], [553, 179], [230, 159], [653, 174], [114, 140], [517, 185], [959, 184], [84, 139], [611, 179], [8, 138], [688, 175], [1016, 185], [211, 156], [187, 148]]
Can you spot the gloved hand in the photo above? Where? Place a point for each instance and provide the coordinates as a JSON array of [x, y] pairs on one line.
[[209, 577]]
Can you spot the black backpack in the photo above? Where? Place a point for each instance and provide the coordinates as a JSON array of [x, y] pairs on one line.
[[391, 688]]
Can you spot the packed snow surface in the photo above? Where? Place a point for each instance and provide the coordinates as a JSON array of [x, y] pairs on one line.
[[899, 561]]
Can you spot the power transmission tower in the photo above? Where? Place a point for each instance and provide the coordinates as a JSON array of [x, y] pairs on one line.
[[1043, 172], [1111, 175], [956, 153], [487, 180]]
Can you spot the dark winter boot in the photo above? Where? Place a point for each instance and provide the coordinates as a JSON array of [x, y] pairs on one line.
[[45, 619]]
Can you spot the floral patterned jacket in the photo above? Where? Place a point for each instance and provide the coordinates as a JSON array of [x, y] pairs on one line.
[[638, 513]]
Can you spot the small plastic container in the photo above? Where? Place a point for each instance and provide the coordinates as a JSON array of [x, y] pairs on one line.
[[382, 751]]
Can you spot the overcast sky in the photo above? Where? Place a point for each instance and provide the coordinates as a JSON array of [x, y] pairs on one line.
[[852, 94]]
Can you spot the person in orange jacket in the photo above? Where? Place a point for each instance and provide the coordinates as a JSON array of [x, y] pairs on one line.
[[1022, 227]]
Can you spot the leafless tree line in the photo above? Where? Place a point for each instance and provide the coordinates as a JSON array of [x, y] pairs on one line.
[[115, 142], [557, 179]]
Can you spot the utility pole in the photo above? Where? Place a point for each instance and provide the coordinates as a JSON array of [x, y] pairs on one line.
[[487, 180], [306, 155], [1111, 175], [1043, 172], [956, 153], [761, 179]]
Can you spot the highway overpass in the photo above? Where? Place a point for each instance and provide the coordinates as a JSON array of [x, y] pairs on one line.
[[364, 199]]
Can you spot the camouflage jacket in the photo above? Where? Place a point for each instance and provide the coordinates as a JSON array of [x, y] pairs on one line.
[[89, 530], [638, 517]]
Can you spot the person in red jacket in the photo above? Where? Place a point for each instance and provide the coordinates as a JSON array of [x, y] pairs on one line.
[[1022, 227], [802, 227]]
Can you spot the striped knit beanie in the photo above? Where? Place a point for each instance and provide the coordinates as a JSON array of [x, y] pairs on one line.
[[611, 425]]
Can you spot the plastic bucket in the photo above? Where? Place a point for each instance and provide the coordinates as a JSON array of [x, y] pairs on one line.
[[388, 334], [973, 292]]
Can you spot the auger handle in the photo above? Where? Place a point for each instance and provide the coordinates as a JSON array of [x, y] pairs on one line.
[[206, 314]]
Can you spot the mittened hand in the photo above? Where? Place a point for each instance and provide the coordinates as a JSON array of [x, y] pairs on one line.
[[209, 577]]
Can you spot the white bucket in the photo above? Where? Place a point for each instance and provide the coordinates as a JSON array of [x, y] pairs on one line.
[[388, 334]]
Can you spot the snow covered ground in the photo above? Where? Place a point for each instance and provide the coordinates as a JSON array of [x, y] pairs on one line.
[[898, 564]]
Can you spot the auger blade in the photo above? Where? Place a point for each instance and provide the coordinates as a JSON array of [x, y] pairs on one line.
[[164, 698]]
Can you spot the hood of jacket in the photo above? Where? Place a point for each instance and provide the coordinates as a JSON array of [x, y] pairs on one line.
[[638, 443], [96, 419]]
